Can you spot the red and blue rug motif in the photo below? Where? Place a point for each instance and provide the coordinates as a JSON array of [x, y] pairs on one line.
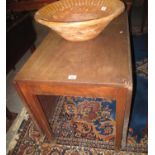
[[85, 121]]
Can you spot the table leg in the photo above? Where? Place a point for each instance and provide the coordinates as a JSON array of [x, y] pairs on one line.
[[120, 109], [34, 107], [126, 118]]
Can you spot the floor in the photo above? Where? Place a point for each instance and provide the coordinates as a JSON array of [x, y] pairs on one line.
[[13, 101]]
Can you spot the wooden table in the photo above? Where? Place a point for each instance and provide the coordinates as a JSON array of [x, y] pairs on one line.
[[97, 68]]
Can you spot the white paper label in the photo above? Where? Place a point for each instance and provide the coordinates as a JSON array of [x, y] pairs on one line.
[[104, 8], [72, 77]]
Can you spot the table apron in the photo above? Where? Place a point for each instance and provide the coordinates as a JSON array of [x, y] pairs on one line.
[[73, 89]]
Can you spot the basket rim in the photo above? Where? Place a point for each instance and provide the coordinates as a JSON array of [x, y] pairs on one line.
[[38, 18]]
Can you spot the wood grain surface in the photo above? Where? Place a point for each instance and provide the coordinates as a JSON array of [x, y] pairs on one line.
[[104, 60]]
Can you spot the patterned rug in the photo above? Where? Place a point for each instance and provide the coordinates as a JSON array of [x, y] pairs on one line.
[[86, 126], [85, 122], [28, 140]]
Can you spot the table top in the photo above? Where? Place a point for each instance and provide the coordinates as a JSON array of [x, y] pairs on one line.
[[104, 60]]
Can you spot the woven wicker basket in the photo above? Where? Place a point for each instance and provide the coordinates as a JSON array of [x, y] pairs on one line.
[[79, 20]]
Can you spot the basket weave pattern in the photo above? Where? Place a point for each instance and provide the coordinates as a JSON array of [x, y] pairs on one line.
[[79, 20]]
